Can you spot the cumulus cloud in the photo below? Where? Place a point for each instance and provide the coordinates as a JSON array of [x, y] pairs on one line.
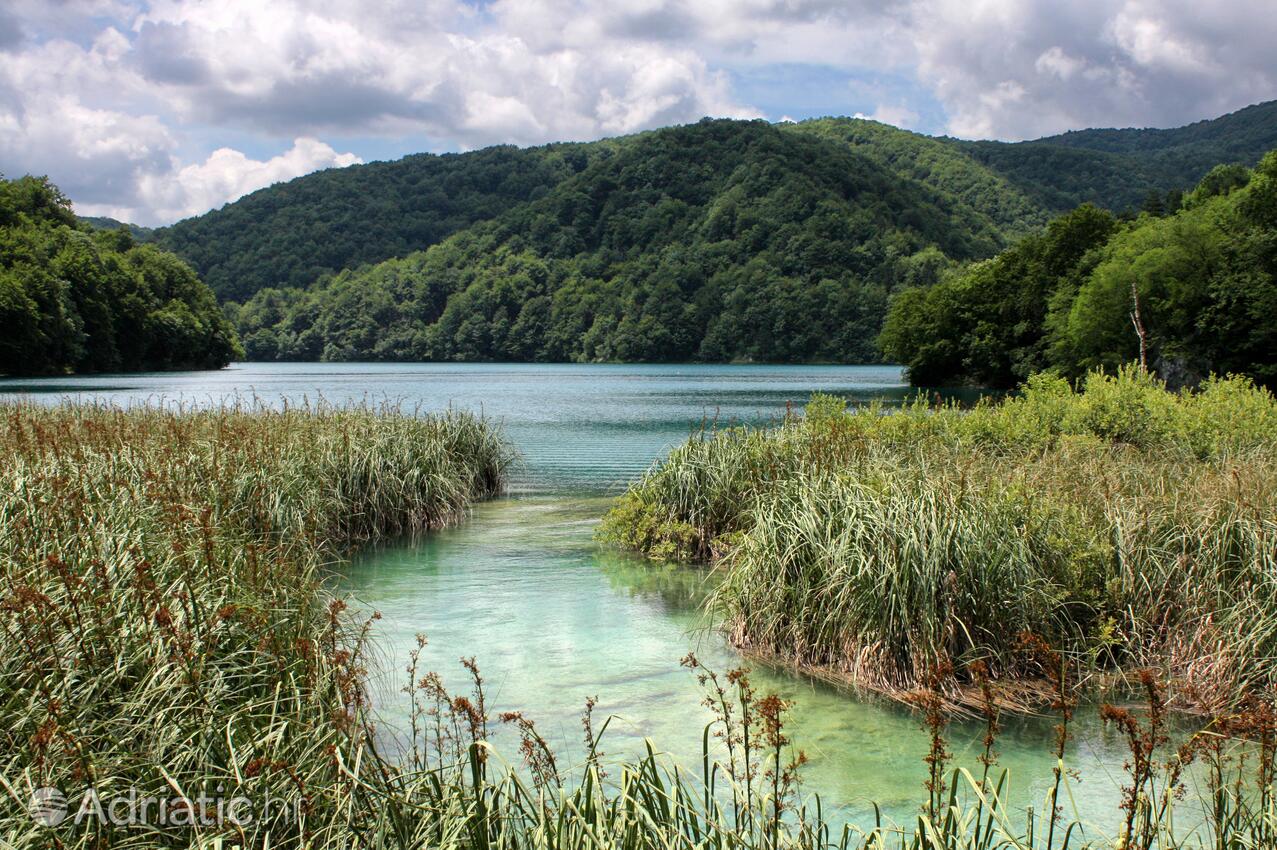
[[124, 102], [1017, 70], [225, 176]]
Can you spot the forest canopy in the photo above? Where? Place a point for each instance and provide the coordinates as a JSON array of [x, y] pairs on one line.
[[75, 299], [293, 233], [752, 242], [1201, 280], [718, 241]]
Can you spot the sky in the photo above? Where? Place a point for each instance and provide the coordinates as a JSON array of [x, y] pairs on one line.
[[153, 110]]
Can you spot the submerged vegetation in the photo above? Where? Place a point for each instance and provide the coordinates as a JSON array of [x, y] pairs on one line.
[[1126, 525]]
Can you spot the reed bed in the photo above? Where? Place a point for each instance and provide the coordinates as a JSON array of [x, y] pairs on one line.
[[1128, 526], [165, 625], [168, 634]]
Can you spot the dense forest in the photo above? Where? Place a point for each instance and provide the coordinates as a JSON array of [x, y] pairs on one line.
[[717, 241], [1198, 282], [738, 240], [290, 234], [74, 299], [1120, 169]]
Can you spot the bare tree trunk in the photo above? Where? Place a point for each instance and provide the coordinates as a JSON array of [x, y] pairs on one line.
[[1139, 328]]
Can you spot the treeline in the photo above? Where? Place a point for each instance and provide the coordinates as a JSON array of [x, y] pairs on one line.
[[73, 299], [1199, 280], [1119, 169], [719, 241], [294, 233]]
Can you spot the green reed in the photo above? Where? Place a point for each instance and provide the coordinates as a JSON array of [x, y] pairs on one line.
[[1128, 525], [168, 629], [165, 625]]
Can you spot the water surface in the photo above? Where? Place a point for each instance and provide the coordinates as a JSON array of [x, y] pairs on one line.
[[553, 617]]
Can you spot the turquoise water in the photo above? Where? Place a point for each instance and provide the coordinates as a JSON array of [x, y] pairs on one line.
[[553, 617]]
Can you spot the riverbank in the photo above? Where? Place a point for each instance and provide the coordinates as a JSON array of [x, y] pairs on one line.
[[169, 635], [1126, 526]]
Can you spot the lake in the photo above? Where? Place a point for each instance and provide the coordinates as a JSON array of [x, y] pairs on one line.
[[554, 617]]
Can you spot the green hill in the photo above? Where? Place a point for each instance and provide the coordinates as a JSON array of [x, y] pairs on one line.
[[719, 240], [1117, 169], [936, 163], [291, 233], [722, 240]]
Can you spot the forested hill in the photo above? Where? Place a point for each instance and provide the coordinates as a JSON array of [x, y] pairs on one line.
[[721, 240], [1118, 169], [290, 234]]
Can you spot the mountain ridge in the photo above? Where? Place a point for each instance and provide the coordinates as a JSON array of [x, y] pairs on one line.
[[296, 233]]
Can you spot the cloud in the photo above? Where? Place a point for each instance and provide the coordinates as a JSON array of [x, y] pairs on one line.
[[894, 114], [300, 66], [225, 176], [1023, 69], [129, 104]]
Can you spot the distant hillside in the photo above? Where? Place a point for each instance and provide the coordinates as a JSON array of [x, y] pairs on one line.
[[291, 234], [722, 240], [1118, 168], [100, 222], [936, 163]]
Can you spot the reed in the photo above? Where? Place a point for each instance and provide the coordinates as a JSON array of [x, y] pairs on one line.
[[168, 630], [165, 623], [1127, 525]]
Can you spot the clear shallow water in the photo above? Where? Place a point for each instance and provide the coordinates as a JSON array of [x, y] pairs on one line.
[[581, 429], [553, 617]]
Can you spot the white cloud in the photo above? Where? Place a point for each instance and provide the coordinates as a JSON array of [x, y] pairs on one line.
[[1036, 67], [226, 175], [893, 114], [124, 102]]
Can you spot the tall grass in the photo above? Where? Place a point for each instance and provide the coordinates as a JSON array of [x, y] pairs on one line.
[[167, 632], [1128, 525], [164, 623]]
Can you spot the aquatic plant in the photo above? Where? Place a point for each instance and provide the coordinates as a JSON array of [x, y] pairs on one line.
[[166, 628], [1127, 525], [168, 631]]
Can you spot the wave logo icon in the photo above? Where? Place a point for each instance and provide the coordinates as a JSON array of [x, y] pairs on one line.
[[48, 806]]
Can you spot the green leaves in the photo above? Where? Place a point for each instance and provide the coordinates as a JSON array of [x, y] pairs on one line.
[[79, 301]]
